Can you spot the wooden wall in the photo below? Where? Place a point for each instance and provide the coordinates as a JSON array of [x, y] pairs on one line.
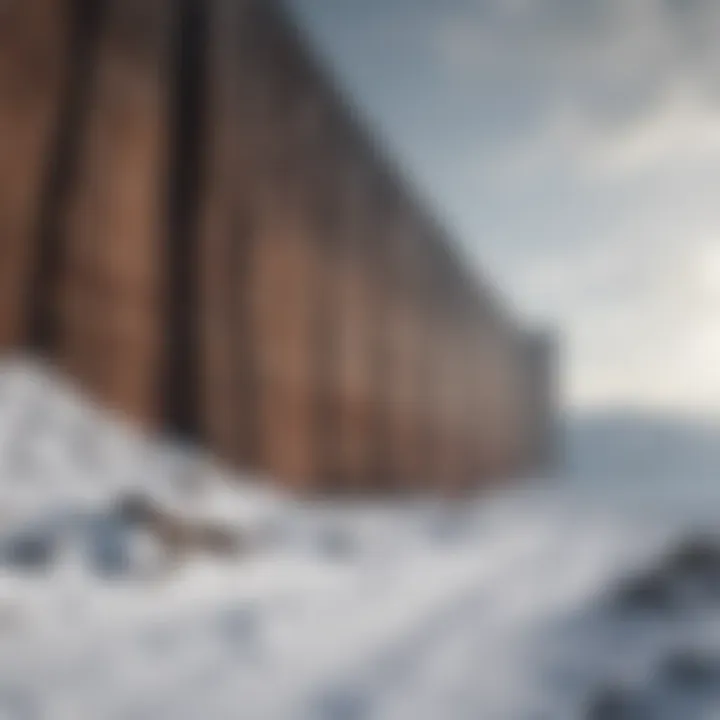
[[195, 228], [34, 59], [108, 297]]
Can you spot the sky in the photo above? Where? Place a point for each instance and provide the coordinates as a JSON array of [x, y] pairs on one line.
[[573, 149]]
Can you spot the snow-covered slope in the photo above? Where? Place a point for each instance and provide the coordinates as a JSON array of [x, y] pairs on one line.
[[505, 608]]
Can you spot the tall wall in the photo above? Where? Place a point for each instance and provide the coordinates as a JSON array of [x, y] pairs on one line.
[[82, 231], [193, 225], [34, 74]]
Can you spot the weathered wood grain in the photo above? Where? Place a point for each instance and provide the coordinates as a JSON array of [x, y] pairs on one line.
[[195, 226]]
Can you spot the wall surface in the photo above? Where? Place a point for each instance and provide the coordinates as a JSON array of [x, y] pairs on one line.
[[195, 227]]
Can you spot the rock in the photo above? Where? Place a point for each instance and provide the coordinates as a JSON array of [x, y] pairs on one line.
[[688, 574], [219, 541], [697, 561], [698, 554], [136, 510], [30, 551], [179, 535], [109, 551], [691, 669], [616, 703], [652, 592]]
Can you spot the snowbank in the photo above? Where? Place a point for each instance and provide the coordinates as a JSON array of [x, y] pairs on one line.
[[505, 608]]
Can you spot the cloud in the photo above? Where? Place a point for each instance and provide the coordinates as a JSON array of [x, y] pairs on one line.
[[608, 61], [602, 162], [640, 326], [575, 146], [681, 134]]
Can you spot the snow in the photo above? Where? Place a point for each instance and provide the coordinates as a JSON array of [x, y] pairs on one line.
[[499, 609]]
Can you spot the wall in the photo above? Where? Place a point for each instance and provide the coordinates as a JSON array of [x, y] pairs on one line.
[[194, 225]]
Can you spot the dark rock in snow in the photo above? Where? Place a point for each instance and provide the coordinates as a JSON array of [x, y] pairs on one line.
[[109, 548], [691, 670], [652, 592], [135, 509], [30, 551], [178, 535], [616, 703], [688, 574], [697, 560]]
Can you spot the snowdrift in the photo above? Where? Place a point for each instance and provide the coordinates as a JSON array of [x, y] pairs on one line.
[[598, 597]]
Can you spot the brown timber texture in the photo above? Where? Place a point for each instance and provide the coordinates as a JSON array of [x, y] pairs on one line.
[[34, 40], [194, 227]]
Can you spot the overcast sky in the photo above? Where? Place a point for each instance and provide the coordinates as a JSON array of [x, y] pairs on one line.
[[573, 147]]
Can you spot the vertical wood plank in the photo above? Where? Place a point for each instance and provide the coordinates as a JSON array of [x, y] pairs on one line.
[[34, 67], [356, 332], [237, 141], [111, 294]]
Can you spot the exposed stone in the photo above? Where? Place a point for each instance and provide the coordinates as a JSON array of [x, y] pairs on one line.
[[653, 591], [692, 669], [616, 703], [179, 535], [30, 551], [698, 560]]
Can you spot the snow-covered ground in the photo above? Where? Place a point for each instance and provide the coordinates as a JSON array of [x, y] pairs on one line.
[[502, 609]]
